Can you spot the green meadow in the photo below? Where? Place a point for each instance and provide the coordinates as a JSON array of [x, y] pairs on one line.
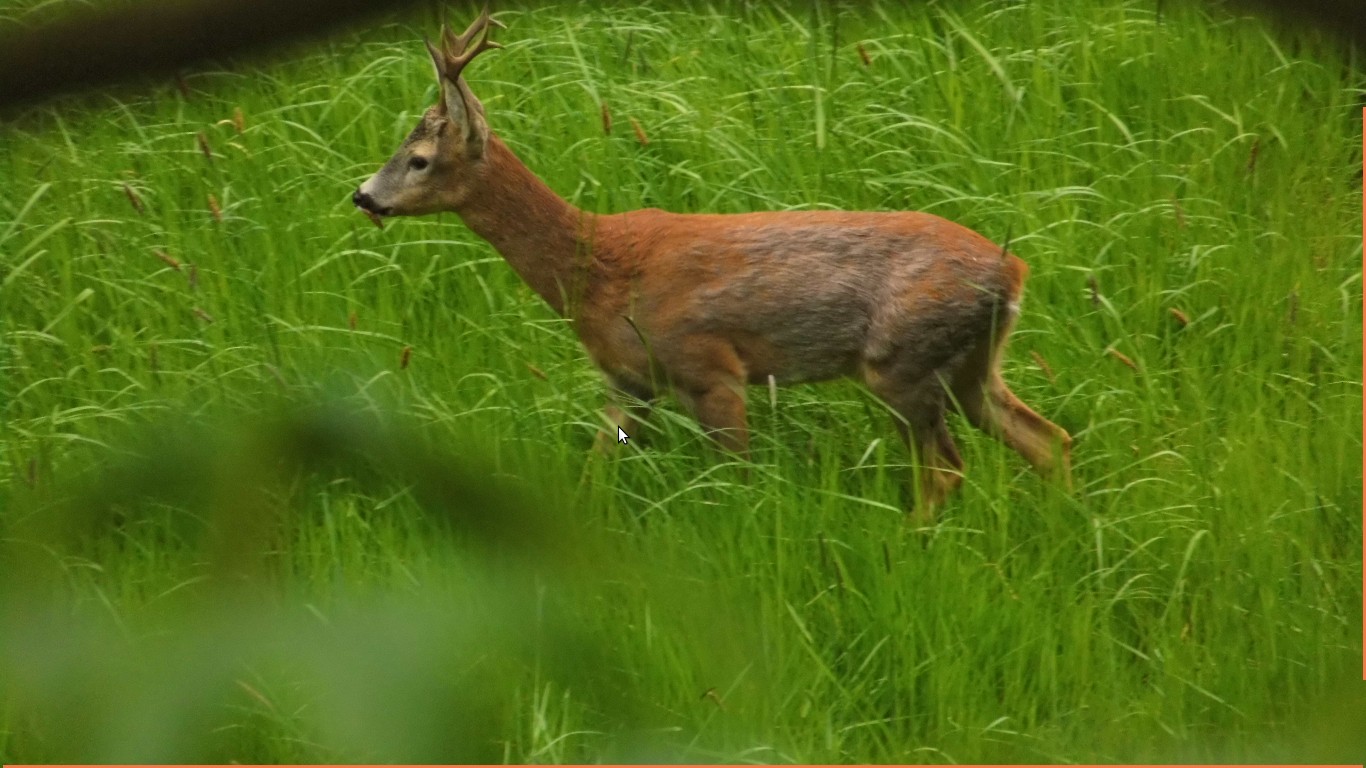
[[277, 485]]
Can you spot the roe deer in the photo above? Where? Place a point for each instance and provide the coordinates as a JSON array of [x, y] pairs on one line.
[[916, 306]]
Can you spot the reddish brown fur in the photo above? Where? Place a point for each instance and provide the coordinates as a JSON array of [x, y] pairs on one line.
[[916, 306]]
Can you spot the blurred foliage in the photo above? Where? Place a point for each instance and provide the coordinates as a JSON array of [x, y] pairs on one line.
[[423, 673]]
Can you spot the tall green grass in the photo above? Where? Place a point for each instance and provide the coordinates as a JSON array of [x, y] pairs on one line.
[[264, 587]]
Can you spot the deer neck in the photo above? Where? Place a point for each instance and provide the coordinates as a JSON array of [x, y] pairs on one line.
[[541, 235]]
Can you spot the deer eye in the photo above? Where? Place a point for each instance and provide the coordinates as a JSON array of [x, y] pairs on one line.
[[417, 163]]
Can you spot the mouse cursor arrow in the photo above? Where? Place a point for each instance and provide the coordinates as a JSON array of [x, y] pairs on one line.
[[622, 437]]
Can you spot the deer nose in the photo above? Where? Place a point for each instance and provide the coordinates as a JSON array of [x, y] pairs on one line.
[[362, 200]]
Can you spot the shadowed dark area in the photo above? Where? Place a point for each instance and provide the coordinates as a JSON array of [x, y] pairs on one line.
[[90, 49], [1346, 18]]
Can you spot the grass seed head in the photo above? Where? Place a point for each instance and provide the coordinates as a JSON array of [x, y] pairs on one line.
[[1044, 366], [169, 260], [640, 133], [134, 199], [1123, 358], [1253, 154]]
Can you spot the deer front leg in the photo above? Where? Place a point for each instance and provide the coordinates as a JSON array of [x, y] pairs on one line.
[[709, 380], [720, 410], [627, 408]]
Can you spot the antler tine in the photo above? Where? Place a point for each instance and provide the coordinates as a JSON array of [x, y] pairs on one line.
[[438, 57], [455, 45], [462, 56]]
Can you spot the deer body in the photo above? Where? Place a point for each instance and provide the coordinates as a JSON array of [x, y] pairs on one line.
[[914, 305]]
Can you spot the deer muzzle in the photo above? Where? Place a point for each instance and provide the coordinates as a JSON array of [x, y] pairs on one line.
[[366, 203]]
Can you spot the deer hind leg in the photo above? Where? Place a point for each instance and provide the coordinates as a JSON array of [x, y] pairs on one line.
[[920, 407], [989, 405], [1044, 444]]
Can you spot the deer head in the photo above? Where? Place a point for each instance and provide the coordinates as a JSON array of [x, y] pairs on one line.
[[440, 162]]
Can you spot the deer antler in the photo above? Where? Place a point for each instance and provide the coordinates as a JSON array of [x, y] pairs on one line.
[[457, 48]]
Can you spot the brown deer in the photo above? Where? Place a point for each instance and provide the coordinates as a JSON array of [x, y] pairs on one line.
[[914, 305]]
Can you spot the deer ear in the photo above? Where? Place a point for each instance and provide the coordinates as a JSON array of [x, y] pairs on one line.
[[466, 115]]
